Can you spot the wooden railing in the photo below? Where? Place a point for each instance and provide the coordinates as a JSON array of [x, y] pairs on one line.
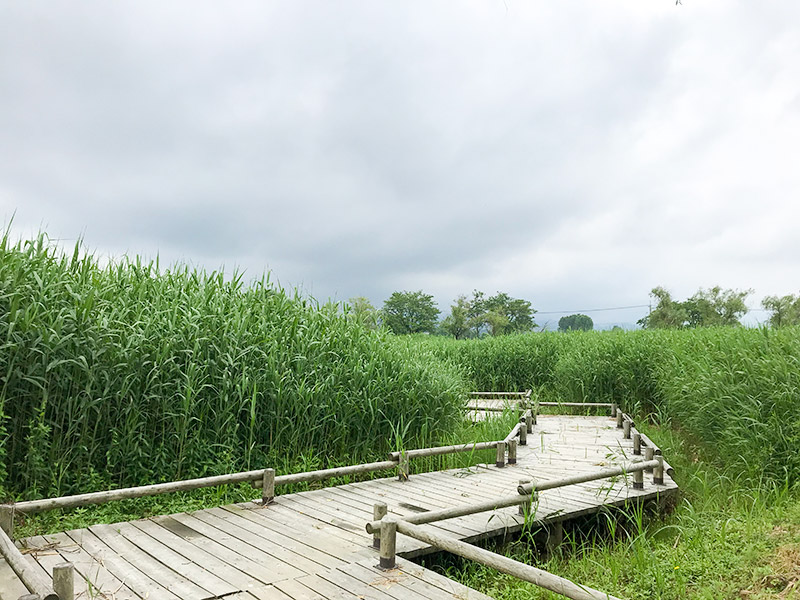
[[385, 527], [522, 400], [38, 586], [62, 587]]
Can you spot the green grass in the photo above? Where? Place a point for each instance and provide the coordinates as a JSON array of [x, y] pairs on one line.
[[721, 539], [129, 374], [733, 390]]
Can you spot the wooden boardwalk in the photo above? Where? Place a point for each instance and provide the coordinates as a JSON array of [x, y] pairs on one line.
[[313, 545]]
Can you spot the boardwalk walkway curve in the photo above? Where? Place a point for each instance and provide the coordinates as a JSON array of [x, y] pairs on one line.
[[313, 544]]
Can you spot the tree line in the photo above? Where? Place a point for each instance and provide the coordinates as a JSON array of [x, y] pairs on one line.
[[471, 316], [479, 314], [716, 307]]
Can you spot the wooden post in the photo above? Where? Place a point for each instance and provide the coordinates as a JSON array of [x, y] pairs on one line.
[[64, 581], [7, 519], [379, 510], [658, 472], [555, 536], [619, 419], [614, 409], [388, 544], [500, 462], [525, 507], [626, 429], [529, 422], [512, 452], [403, 467], [268, 487], [638, 480], [523, 432], [637, 443], [649, 453]]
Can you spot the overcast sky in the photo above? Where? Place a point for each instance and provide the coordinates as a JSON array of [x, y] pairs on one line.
[[575, 154]]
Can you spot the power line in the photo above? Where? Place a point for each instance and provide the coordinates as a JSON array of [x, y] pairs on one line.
[[563, 312]]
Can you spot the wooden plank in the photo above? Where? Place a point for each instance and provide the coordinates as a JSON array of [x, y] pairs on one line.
[[297, 591], [90, 574], [325, 588], [278, 570], [391, 582], [238, 577], [431, 578], [173, 560], [262, 549], [11, 587], [302, 529], [131, 576], [48, 554], [298, 547], [350, 497], [354, 585], [151, 566]]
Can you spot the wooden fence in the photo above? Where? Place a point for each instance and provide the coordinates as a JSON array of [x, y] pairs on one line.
[[385, 527]]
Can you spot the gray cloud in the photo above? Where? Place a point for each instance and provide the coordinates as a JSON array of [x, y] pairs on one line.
[[575, 155]]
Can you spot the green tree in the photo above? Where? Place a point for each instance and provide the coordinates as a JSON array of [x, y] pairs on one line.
[[575, 323], [497, 322], [457, 322], [410, 312], [360, 310], [476, 312], [668, 314], [518, 313], [715, 307], [785, 310], [706, 308]]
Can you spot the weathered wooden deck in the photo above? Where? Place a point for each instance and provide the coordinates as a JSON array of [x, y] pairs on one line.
[[313, 545]]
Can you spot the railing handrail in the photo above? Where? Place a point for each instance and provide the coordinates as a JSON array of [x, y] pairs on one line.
[[255, 476], [440, 450], [543, 579], [514, 394], [601, 404], [524, 496], [32, 579]]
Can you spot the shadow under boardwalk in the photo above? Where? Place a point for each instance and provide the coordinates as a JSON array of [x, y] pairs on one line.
[[313, 545]]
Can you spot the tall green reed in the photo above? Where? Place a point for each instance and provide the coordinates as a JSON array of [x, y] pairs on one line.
[[129, 373]]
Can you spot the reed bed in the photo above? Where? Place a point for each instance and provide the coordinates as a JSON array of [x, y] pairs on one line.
[[735, 391], [126, 374]]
